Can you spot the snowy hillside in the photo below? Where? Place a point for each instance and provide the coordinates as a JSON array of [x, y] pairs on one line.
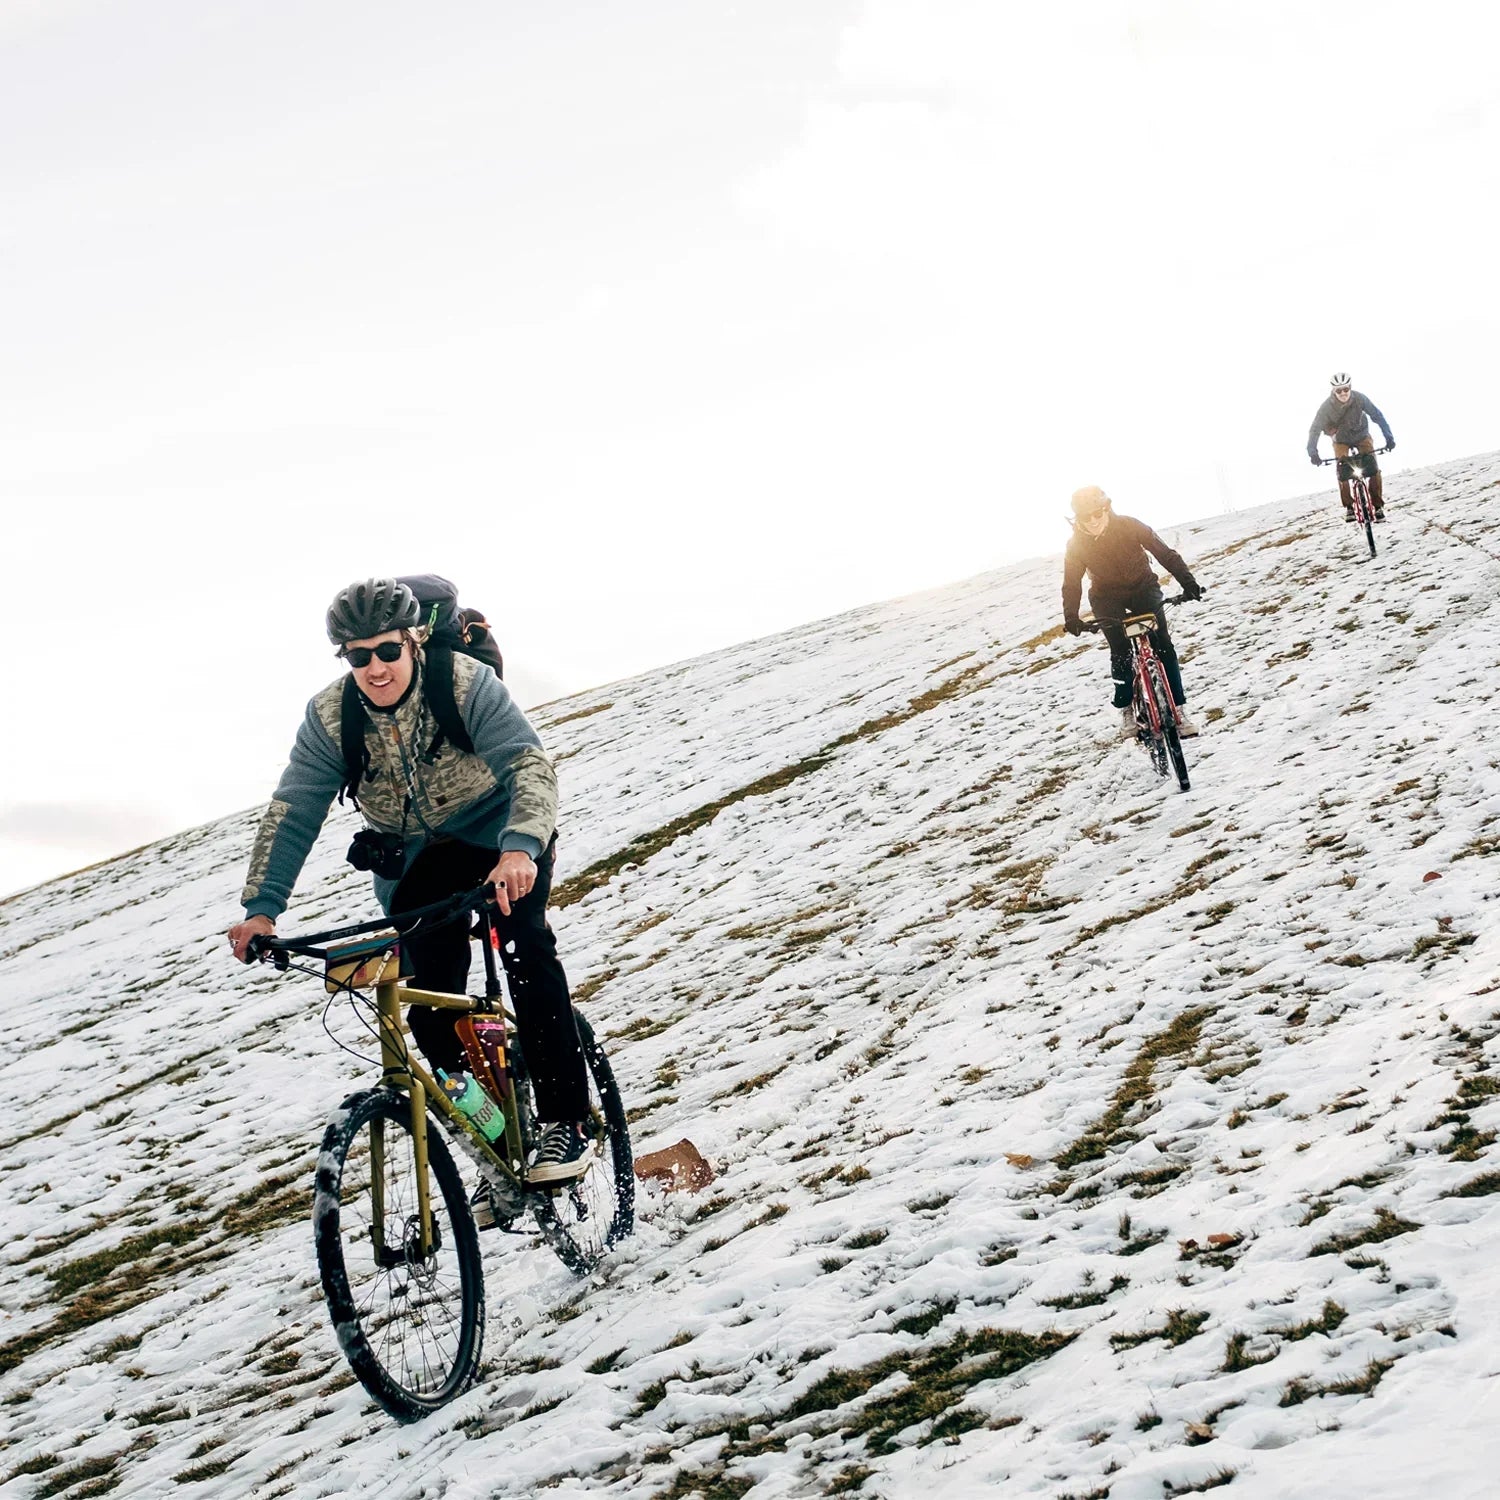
[[1075, 1136]]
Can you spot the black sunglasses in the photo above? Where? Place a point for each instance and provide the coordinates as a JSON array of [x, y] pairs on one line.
[[359, 656]]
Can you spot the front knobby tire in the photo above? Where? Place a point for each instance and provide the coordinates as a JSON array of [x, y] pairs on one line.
[[1166, 748], [411, 1326], [1155, 744], [1176, 755], [585, 1219], [1364, 509]]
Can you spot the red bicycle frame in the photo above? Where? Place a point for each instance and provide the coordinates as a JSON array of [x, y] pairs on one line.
[[1151, 683]]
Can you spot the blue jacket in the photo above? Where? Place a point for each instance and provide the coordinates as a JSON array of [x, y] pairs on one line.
[[1346, 422]]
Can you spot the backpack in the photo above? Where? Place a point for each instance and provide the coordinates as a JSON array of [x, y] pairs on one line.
[[450, 627]]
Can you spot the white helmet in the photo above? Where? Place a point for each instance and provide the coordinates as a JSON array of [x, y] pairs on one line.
[[1340, 380]]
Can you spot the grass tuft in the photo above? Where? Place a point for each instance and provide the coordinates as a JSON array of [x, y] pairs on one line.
[[1175, 1041], [1238, 1357], [1214, 1481], [1386, 1227], [1478, 1187], [1179, 1327], [1298, 1391]]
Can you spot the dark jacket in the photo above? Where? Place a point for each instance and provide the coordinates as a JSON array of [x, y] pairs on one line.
[[1116, 562], [1346, 422]]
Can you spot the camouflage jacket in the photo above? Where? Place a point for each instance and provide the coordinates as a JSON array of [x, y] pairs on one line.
[[502, 796]]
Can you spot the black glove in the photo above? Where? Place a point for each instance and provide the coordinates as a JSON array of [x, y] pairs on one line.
[[1192, 591], [1316, 461], [1072, 624], [1390, 445]]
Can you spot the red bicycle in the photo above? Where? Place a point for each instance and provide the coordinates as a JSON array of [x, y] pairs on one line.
[[1156, 714], [1354, 469]]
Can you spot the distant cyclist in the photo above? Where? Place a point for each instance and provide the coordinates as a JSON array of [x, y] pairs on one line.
[[440, 820], [1345, 417], [1112, 550]]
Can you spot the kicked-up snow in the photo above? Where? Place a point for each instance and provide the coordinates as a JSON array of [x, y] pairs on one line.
[[1075, 1136]]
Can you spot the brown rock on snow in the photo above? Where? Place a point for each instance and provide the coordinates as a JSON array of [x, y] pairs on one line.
[[679, 1166]]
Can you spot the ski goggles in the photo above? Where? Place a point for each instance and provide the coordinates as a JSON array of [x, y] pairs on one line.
[[387, 651]]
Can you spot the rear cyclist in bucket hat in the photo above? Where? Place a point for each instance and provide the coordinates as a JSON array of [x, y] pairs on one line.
[[1111, 552]]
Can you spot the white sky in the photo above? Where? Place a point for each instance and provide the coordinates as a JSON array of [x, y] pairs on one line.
[[662, 325]]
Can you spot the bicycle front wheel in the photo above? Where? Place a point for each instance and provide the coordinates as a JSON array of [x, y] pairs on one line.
[[584, 1219], [1167, 746], [1365, 510], [1175, 754], [1151, 716], [411, 1324]]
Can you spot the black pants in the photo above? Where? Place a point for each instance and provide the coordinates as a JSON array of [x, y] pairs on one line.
[[1110, 611], [538, 987]]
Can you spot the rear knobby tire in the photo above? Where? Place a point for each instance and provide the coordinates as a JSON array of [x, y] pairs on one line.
[[585, 1219], [410, 1326]]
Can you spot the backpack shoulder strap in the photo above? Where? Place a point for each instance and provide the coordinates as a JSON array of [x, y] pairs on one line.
[[437, 687], [352, 741]]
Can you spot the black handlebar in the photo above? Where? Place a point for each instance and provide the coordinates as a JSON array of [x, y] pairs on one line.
[[262, 949], [1094, 627], [1349, 458]]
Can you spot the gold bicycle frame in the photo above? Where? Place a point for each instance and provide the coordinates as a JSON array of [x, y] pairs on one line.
[[400, 1071]]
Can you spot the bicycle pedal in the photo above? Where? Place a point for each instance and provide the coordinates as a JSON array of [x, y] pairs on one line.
[[486, 1222]]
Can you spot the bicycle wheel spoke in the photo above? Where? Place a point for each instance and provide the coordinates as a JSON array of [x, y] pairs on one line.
[[583, 1220], [410, 1324]]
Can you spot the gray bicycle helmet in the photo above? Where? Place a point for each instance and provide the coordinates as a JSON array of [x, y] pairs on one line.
[[371, 607], [1339, 379]]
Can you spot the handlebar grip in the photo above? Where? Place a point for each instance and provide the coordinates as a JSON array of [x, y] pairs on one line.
[[264, 946], [1349, 458]]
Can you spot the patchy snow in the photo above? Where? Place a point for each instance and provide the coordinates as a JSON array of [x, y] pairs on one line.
[[1109, 1139]]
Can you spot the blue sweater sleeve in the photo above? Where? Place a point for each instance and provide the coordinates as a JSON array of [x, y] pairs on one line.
[[1316, 430], [510, 747], [292, 822], [1374, 411]]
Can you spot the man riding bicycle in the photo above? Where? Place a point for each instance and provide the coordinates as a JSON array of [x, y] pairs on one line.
[[439, 820], [1112, 550], [1345, 417]]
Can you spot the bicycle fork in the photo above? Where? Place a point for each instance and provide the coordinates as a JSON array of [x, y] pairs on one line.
[[393, 1064]]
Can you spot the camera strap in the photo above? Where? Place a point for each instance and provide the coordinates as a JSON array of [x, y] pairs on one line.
[[413, 803]]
